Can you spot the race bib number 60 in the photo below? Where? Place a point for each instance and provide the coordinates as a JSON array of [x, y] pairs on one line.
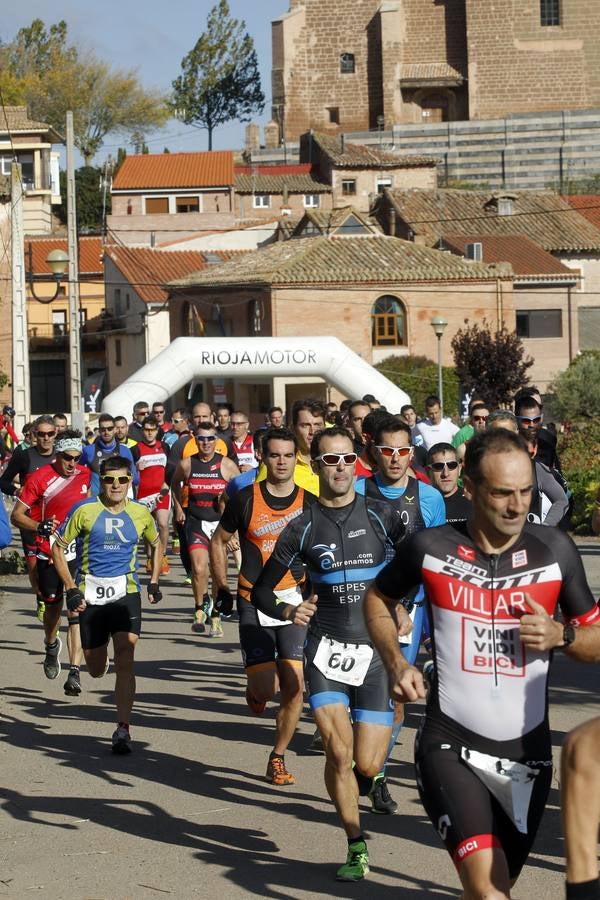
[[347, 663], [100, 591]]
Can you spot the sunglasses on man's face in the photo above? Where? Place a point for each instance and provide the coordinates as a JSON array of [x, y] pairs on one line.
[[70, 458], [391, 451], [45, 434], [480, 418], [114, 479], [530, 420], [450, 464], [334, 459], [206, 439]]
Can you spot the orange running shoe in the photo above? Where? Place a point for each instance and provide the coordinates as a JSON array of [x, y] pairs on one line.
[[277, 772], [165, 567], [256, 706]]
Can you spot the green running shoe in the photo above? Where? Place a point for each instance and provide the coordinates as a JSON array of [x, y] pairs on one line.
[[357, 863], [41, 609]]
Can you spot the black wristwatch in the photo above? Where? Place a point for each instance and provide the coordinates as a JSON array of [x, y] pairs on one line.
[[568, 636]]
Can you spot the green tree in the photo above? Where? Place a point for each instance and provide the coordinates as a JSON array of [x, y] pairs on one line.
[[576, 391], [220, 80], [50, 77], [418, 376], [89, 199], [491, 362]]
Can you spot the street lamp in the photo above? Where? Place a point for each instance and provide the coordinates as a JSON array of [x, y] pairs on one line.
[[57, 261], [439, 325]]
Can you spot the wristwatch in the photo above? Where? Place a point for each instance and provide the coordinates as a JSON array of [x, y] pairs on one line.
[[568, 636]]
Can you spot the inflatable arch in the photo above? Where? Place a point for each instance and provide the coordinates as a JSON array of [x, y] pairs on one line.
[[189, 358]]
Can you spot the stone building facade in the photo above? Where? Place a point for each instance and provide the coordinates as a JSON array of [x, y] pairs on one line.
[[421, 61]]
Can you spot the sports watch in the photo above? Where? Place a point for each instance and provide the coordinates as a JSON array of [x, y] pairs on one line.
[[568, 636]]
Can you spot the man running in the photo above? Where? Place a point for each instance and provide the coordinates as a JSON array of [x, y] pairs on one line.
[[444, 471], [272, 650], [344, 540], [205, 476], [103, 447], [106, 596], [44, 501], [242, 441], [484, 754], [150, 459]]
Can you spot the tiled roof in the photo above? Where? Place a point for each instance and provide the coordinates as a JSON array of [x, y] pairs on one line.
[[525, 256], [587, 205], [274, 183], [147, 269], [289, 169], [175, 170], [351, 260], [15, 119], [330, 220], [542, 215], [360, 156], [90, 254], [440, 71]]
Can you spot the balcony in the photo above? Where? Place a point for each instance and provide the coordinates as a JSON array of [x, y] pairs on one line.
[[54, 338]]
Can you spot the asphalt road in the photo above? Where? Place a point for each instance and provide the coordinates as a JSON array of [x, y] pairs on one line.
[[189, 812]]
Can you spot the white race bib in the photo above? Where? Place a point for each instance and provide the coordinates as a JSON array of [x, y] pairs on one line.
[[100, 591], [208, 528], [347, 663], [510, 782], [149, 501], [407, 638], [289, 595], [70, 552]]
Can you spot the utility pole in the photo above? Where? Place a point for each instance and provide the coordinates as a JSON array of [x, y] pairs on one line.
[[20, 350], [77, 417]]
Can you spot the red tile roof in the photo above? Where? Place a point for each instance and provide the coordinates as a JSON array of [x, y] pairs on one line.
[[175, 170], [587, 205], [90, 254], [525, 256], [147, 269]]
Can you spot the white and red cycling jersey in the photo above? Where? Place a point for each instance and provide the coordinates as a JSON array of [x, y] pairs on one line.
[[47, 494], [245, 451], [487, 682], [151, 462]]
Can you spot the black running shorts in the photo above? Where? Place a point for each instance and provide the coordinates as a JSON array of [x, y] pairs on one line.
[[262, 645], [99, 623], [51, 587]]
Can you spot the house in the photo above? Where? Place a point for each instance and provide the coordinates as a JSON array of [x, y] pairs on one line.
[[376, 293], [262, 191], [137, 323], [358, 173], [159, 196], [48, 322]]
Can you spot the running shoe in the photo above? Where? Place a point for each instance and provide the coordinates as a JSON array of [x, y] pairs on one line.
[[40, 609], [121, 741], [277, 773], [317, 742], [206, 605], [148, 567], [187, 579], [428, 675], [52, 659], [176, 545], [165, 568], [357, 863], [379, 795], [256, 706], [73, 683], [216, 629], [198, 623]]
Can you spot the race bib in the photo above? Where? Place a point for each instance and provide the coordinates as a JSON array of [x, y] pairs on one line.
[[100, 591], [510, 782], [347, 663], [149, 501], [208, 528], [407, 638], [289, 595], [70, 552]]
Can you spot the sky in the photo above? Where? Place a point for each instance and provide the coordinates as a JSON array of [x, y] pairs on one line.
[[152, 37]]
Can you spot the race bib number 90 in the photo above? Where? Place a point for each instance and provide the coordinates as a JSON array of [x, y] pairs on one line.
[[100, 591], [347, 663]]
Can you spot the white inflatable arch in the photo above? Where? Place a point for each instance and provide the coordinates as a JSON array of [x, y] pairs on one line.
[[189, 358]]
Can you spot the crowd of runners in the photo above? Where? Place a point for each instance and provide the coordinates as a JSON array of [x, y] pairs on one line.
[[381, 558]]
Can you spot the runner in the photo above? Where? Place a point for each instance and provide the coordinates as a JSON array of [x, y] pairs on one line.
[[150, 459], [344, 540], [444, 471], [44, 501], [435, 428], [140, 411], [242, 441], [205, 476], [419, 506], [107, 593], [272, 651], [121, 428], [580, 790], [483, 754], [103, 447]]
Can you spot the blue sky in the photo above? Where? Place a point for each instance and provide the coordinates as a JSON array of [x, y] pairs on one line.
[[152, 37]]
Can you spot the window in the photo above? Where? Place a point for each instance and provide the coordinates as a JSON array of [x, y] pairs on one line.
[[187, 204], [549, 12], [312, 201], [539, 323], [388, 323], [117, 352], [383, 183], [26, 161], [83, 318], [334, 115], [157, 206], [347, 64], [261, 201], [59, 322], [348, 187], [118, 308]]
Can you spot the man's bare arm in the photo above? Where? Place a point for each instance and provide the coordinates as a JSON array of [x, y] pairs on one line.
[[218, 556]]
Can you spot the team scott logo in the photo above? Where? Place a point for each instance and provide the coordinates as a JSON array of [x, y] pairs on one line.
[[467, 553], [326, 554]]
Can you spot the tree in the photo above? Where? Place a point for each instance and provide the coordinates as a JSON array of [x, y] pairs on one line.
[[491, 362], [89, 199], [220, 80], [418, 376], [50, 77], [576, 391]]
